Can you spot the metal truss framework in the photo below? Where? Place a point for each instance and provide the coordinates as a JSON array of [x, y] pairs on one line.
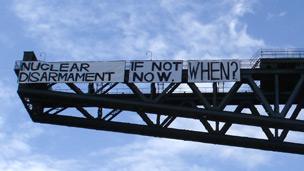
[[159, 110]]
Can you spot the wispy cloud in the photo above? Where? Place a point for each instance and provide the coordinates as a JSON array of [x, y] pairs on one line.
[[162, 154], [19, 154], [276, 15], [106, 30]]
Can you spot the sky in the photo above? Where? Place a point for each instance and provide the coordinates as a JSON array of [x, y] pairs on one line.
[[122, 30]]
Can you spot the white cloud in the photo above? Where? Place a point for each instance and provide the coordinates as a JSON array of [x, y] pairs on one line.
[[38, 163], [276, 15], [19, 154], [163, 154], [107, 30]]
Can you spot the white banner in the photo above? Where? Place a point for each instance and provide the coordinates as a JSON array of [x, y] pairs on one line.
[[214, 71], [155, 71], [71, 72]]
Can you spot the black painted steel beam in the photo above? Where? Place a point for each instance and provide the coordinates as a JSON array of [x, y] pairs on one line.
[[74, 100], [171, 133]]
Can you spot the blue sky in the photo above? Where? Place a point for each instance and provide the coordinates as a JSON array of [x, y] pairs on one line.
[[103, 30]]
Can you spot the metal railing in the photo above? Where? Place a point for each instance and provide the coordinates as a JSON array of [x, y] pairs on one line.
[[222, 87], [276, 53]]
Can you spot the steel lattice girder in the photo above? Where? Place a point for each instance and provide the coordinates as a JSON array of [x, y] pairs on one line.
[[47, 106]]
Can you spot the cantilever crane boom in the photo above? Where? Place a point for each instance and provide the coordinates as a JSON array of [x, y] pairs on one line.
[[271, 104]]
